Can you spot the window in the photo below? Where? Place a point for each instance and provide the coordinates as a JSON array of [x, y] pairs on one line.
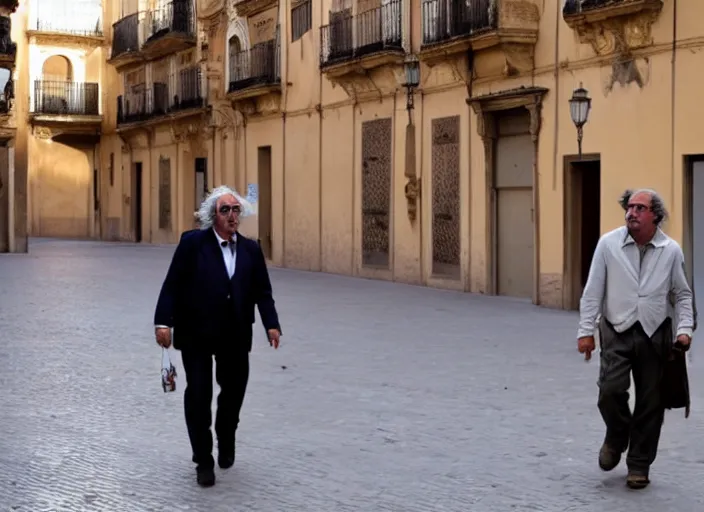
[[301, 19]]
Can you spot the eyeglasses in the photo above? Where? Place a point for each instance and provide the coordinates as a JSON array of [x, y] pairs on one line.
[[226, 209]]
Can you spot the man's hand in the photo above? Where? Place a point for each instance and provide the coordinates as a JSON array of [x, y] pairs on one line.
[[163, 337], [586, 346], [682, 343], [274, 337]]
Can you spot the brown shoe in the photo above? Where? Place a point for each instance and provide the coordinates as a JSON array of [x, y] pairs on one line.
[[608, 458], [637, 481]]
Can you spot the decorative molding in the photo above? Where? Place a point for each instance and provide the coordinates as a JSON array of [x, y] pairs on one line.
[[616, 29], [182, 132], [210, 8], [246, 8], [370, 77], [43, 132], [62, 40]]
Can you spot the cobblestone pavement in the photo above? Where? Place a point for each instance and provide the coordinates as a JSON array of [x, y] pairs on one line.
[[393, 398]]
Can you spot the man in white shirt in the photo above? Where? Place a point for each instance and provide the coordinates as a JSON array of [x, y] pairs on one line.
[[634, 271]]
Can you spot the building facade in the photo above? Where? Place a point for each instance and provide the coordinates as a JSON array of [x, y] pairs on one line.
[[469, 180], [13, 164]]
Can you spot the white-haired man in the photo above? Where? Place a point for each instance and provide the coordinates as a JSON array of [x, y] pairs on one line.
[[635, 271], [215, 279]]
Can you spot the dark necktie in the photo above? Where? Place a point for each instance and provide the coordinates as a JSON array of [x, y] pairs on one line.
[[231, 243]]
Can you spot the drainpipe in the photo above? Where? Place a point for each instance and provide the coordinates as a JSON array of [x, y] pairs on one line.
[[672, 105], [11, 199]]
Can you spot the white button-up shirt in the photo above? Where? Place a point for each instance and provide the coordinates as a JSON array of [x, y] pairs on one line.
[[627, 286], [228, 255]]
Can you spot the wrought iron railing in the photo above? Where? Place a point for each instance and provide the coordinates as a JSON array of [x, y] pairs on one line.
[[125, 37], [76, 17], [446, 19], [372, 31], [256, 66], [95, 29], [187, 89], [181, 91], [66, 98], [8, 48], [177, 16], [577, 6]]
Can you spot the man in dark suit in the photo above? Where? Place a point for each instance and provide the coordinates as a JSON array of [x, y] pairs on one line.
[[215, 279]]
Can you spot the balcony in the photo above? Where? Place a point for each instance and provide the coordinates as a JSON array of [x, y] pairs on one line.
[[255, 72], [178, 96], [8, 49], [151, 35], [355, 49], [450, 28], [74, 106], [125, 41], [613, 26], [169, 29], [58, 21], [255, 78]]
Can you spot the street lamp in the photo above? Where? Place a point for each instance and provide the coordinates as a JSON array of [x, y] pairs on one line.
[[580, 104], [411, 69]]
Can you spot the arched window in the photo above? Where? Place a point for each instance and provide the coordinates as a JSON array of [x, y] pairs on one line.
[[236, 58], [237, 55], [53, 91]]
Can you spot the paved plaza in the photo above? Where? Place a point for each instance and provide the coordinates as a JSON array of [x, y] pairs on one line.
[[383, 397]]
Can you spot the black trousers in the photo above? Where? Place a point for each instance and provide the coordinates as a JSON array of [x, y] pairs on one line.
[[622, 353], [231, 374]]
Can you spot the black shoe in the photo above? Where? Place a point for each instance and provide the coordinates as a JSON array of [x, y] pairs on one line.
[[226, 458], [205, 476], [608, 457]]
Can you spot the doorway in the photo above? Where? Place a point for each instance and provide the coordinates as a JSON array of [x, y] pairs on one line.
[[137, 201], [264, 199], [582, 223], [693, 243], [201, 182], [513, 216]]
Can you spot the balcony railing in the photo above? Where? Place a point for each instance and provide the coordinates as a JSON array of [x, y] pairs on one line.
[[181, 91], [8, 49], [443, 20], [74, 17], [368, 32], [125, 35], [577, 6], [95, 30], [66, 98], [257, 66], [187, 89], [176, 16]]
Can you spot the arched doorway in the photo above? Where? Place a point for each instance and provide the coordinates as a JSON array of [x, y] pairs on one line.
[[53, 92]]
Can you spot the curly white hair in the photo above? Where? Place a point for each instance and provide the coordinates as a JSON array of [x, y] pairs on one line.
[[207, 211]]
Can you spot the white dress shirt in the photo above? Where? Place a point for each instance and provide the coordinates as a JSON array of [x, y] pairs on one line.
[[229, 253], [627, 285]]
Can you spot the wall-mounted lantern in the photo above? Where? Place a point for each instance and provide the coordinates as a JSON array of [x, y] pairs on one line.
[[411, 68], [580, 105]]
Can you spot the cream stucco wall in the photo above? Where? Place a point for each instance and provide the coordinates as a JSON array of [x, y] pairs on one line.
[[641, 133]]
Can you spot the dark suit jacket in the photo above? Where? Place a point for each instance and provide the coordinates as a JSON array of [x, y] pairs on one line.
[[205, 307]]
